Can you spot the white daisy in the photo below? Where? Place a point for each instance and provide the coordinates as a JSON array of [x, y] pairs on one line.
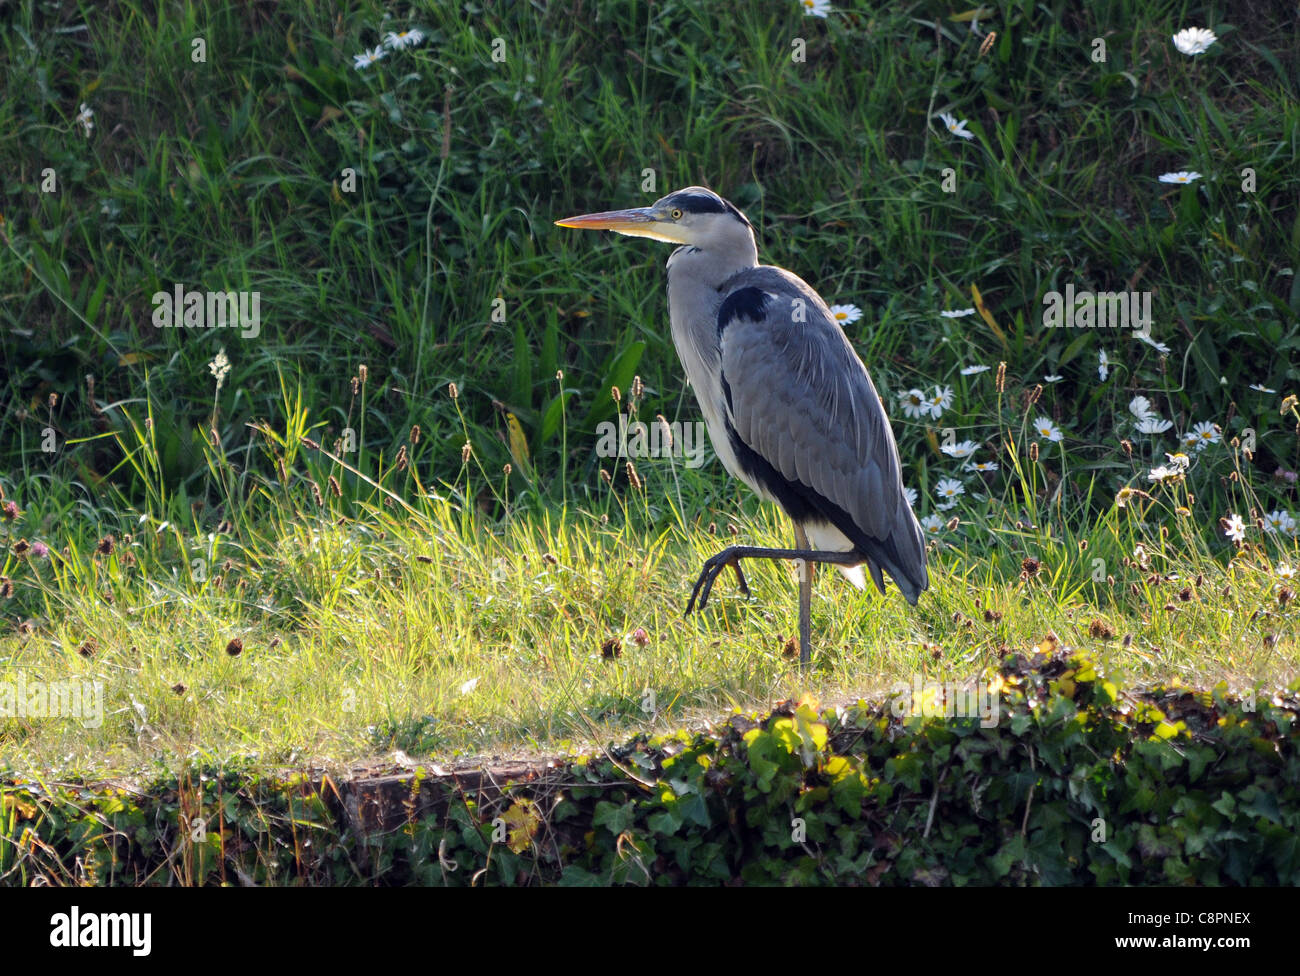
[[1194, 40], [973, 370], [1140, 407], [408, 38], [1236, 528], [366, 58], [963, 450], [1182, 176], [1103, 365], [1045, 428], [1261, 388], [911, 495], [815, 8], [1159, 347], [932, 524], [1163, 473], [1053, 378], [958, 313], [1153, 425], [981, 465], [914, 403], [845, 314], [940, 400], [955, 127], [1206, 434], [85, 118], [1286, 572], [469, 686], [1277, 521], [1180, 461], [949, 488]]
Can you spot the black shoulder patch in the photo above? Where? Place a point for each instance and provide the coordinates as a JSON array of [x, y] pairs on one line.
[[750, 302]]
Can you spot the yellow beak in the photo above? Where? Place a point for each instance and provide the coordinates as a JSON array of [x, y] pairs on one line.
[[640, 222]]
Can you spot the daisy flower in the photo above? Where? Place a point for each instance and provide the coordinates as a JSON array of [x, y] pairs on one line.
[[1286, 572], [940, 400], [932, 524], [1277, 521], [1153, 425], [914, 403], [911, 495], [1053, 378], [1163, 473], [469, 686], [1180, 461], [1194, 40], [949, 488], [815, 8], [1045, 428], [973, 370], [366, 58], [1140, 407], [845, 314], [958, 313], [981, 465], [1182, 176], [1103, 365], [1206, 434], [963, 450], [84, 118], [1235, 528], [408, 38], [1159, 347], [955, 127], [1261, 388]]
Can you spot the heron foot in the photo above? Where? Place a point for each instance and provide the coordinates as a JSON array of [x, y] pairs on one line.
[[713, 566]]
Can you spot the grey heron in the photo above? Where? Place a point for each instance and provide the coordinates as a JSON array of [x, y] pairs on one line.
[[789, 405]]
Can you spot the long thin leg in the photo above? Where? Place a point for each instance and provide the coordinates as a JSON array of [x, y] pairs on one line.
[[805, 598], [714, 565]]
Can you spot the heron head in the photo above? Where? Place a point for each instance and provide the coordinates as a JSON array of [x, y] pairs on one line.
[[693, 216]]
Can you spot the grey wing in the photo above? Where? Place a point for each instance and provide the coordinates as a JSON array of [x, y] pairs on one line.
[[805, 420]]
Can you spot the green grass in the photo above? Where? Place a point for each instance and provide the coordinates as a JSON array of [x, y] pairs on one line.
[[228, 174]]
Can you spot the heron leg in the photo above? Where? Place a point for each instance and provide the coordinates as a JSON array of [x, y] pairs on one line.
[[714, 565], [805, 598]]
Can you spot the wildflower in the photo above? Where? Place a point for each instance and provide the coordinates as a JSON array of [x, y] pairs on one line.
[[1206, 434], [1140, 407], [1182, 176], [1278, 521], [963, 450], [366, 58], [1261, 388], [911, 496], [40, 550], [940, 401], [219, 367], [85, 119], [914, 403], [640, 638], [958, 313], [1180, 461], [1234, 528], [1194, 40], [1052, 378], [932, 524], [1163, 473], [981, 466], [1103, 365], [845, 314], [1159, 347], [949, 488], [973, 370], [1153, 425], [1045, 428], [408, 38], [956, 128], [1285, 572], [469, 686], [815, 8]]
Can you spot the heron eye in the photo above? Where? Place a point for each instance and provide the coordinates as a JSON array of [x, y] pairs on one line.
[[676, 214]]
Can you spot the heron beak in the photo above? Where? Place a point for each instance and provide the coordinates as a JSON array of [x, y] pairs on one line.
[[640, 222]]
